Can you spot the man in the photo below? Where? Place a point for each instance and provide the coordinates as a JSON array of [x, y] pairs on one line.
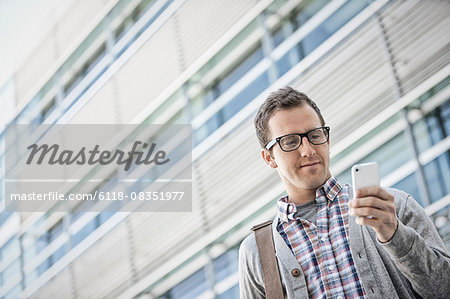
[[329, 243]]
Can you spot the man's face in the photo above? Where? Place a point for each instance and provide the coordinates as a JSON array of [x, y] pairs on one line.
[[306, 168]]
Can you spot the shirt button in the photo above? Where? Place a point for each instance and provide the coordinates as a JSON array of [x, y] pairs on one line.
[[323, 239], [331, 267], [295, 272]]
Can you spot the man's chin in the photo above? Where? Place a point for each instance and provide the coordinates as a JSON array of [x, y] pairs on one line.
[[313, 183]]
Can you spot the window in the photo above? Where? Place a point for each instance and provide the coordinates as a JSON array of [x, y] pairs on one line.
[[54, 233], [390, 156], [239, 101], [42, 243], [13, 270], [330, 25], [191, 287], [409, 184], [240, 70], [230, 293], [437, 173], [14, 293], [10, 249], [226, 264], [433, 128], [84, 232]]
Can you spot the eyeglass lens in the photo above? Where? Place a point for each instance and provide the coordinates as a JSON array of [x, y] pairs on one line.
[[292, 142]]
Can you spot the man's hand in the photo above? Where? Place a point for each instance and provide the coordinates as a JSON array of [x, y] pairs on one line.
[[374, 207]]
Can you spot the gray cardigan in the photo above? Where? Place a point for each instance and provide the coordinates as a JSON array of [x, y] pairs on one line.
[[413, 264]]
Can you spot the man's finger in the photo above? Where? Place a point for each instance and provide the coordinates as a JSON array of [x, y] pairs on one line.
[[373, 202], [374, 191], [368, 211]]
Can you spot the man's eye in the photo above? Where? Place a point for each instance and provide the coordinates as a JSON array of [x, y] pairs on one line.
[[290, 142]]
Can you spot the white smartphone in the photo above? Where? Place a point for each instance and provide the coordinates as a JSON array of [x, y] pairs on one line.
[[365, 175]]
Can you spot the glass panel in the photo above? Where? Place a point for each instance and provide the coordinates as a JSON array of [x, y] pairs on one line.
[[84, 232], [191, 287], [391, 155], [200, 102], [240, 70], [441, 220], [164, 107], [231, 293], [54, 233], [437, 173], [225, 51], [42, 267], [42, 242], [239, 101], [10, 249], [13, 270], [245, 96], [226, 264], [345, 177], [131, 20], [445, 116], [409, 185], [309, 10], [355, 146], [103, 216], [30, 277], [58, 254], [29, 253], [434, 128], [285, 63], [14, 293], [279, 36], [331, 25], [32, 112], [210, 126]]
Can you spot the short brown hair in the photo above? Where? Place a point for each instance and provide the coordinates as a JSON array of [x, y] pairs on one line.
[[282, 99]]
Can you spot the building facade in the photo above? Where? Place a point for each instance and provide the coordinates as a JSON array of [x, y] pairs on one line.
[[378, 69]]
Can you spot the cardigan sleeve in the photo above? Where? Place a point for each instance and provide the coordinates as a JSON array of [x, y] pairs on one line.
[[419, 252], [250, 274]]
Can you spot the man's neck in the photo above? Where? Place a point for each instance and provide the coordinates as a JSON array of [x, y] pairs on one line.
[[301, 196]]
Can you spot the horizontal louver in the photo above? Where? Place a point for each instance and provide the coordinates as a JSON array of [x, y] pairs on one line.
[[65, 34]]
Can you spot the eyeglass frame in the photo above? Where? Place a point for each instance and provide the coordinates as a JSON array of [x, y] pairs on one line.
[[277, 140]]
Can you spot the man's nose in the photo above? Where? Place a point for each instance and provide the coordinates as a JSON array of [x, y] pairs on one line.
[[306, 148]]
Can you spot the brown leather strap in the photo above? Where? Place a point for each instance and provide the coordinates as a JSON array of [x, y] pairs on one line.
[[266, 249]]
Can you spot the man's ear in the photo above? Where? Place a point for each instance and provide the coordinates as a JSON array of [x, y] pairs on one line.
[[267, 157]]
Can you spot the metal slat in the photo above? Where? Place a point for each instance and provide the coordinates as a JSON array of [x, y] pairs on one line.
[[416, 38], [93, 270], [356, 83], [201, 23], [158, 66], [47, 54], [53, 288]]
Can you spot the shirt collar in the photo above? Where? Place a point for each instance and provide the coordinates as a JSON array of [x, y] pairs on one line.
[[286, 210], [330, 190]]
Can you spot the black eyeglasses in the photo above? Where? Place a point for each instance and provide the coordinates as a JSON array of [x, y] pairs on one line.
[[291, 142]]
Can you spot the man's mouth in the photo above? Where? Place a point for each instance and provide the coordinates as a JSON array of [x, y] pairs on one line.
[[309, 164]]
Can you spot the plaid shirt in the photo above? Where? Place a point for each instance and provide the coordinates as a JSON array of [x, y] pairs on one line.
[[322, 248]]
